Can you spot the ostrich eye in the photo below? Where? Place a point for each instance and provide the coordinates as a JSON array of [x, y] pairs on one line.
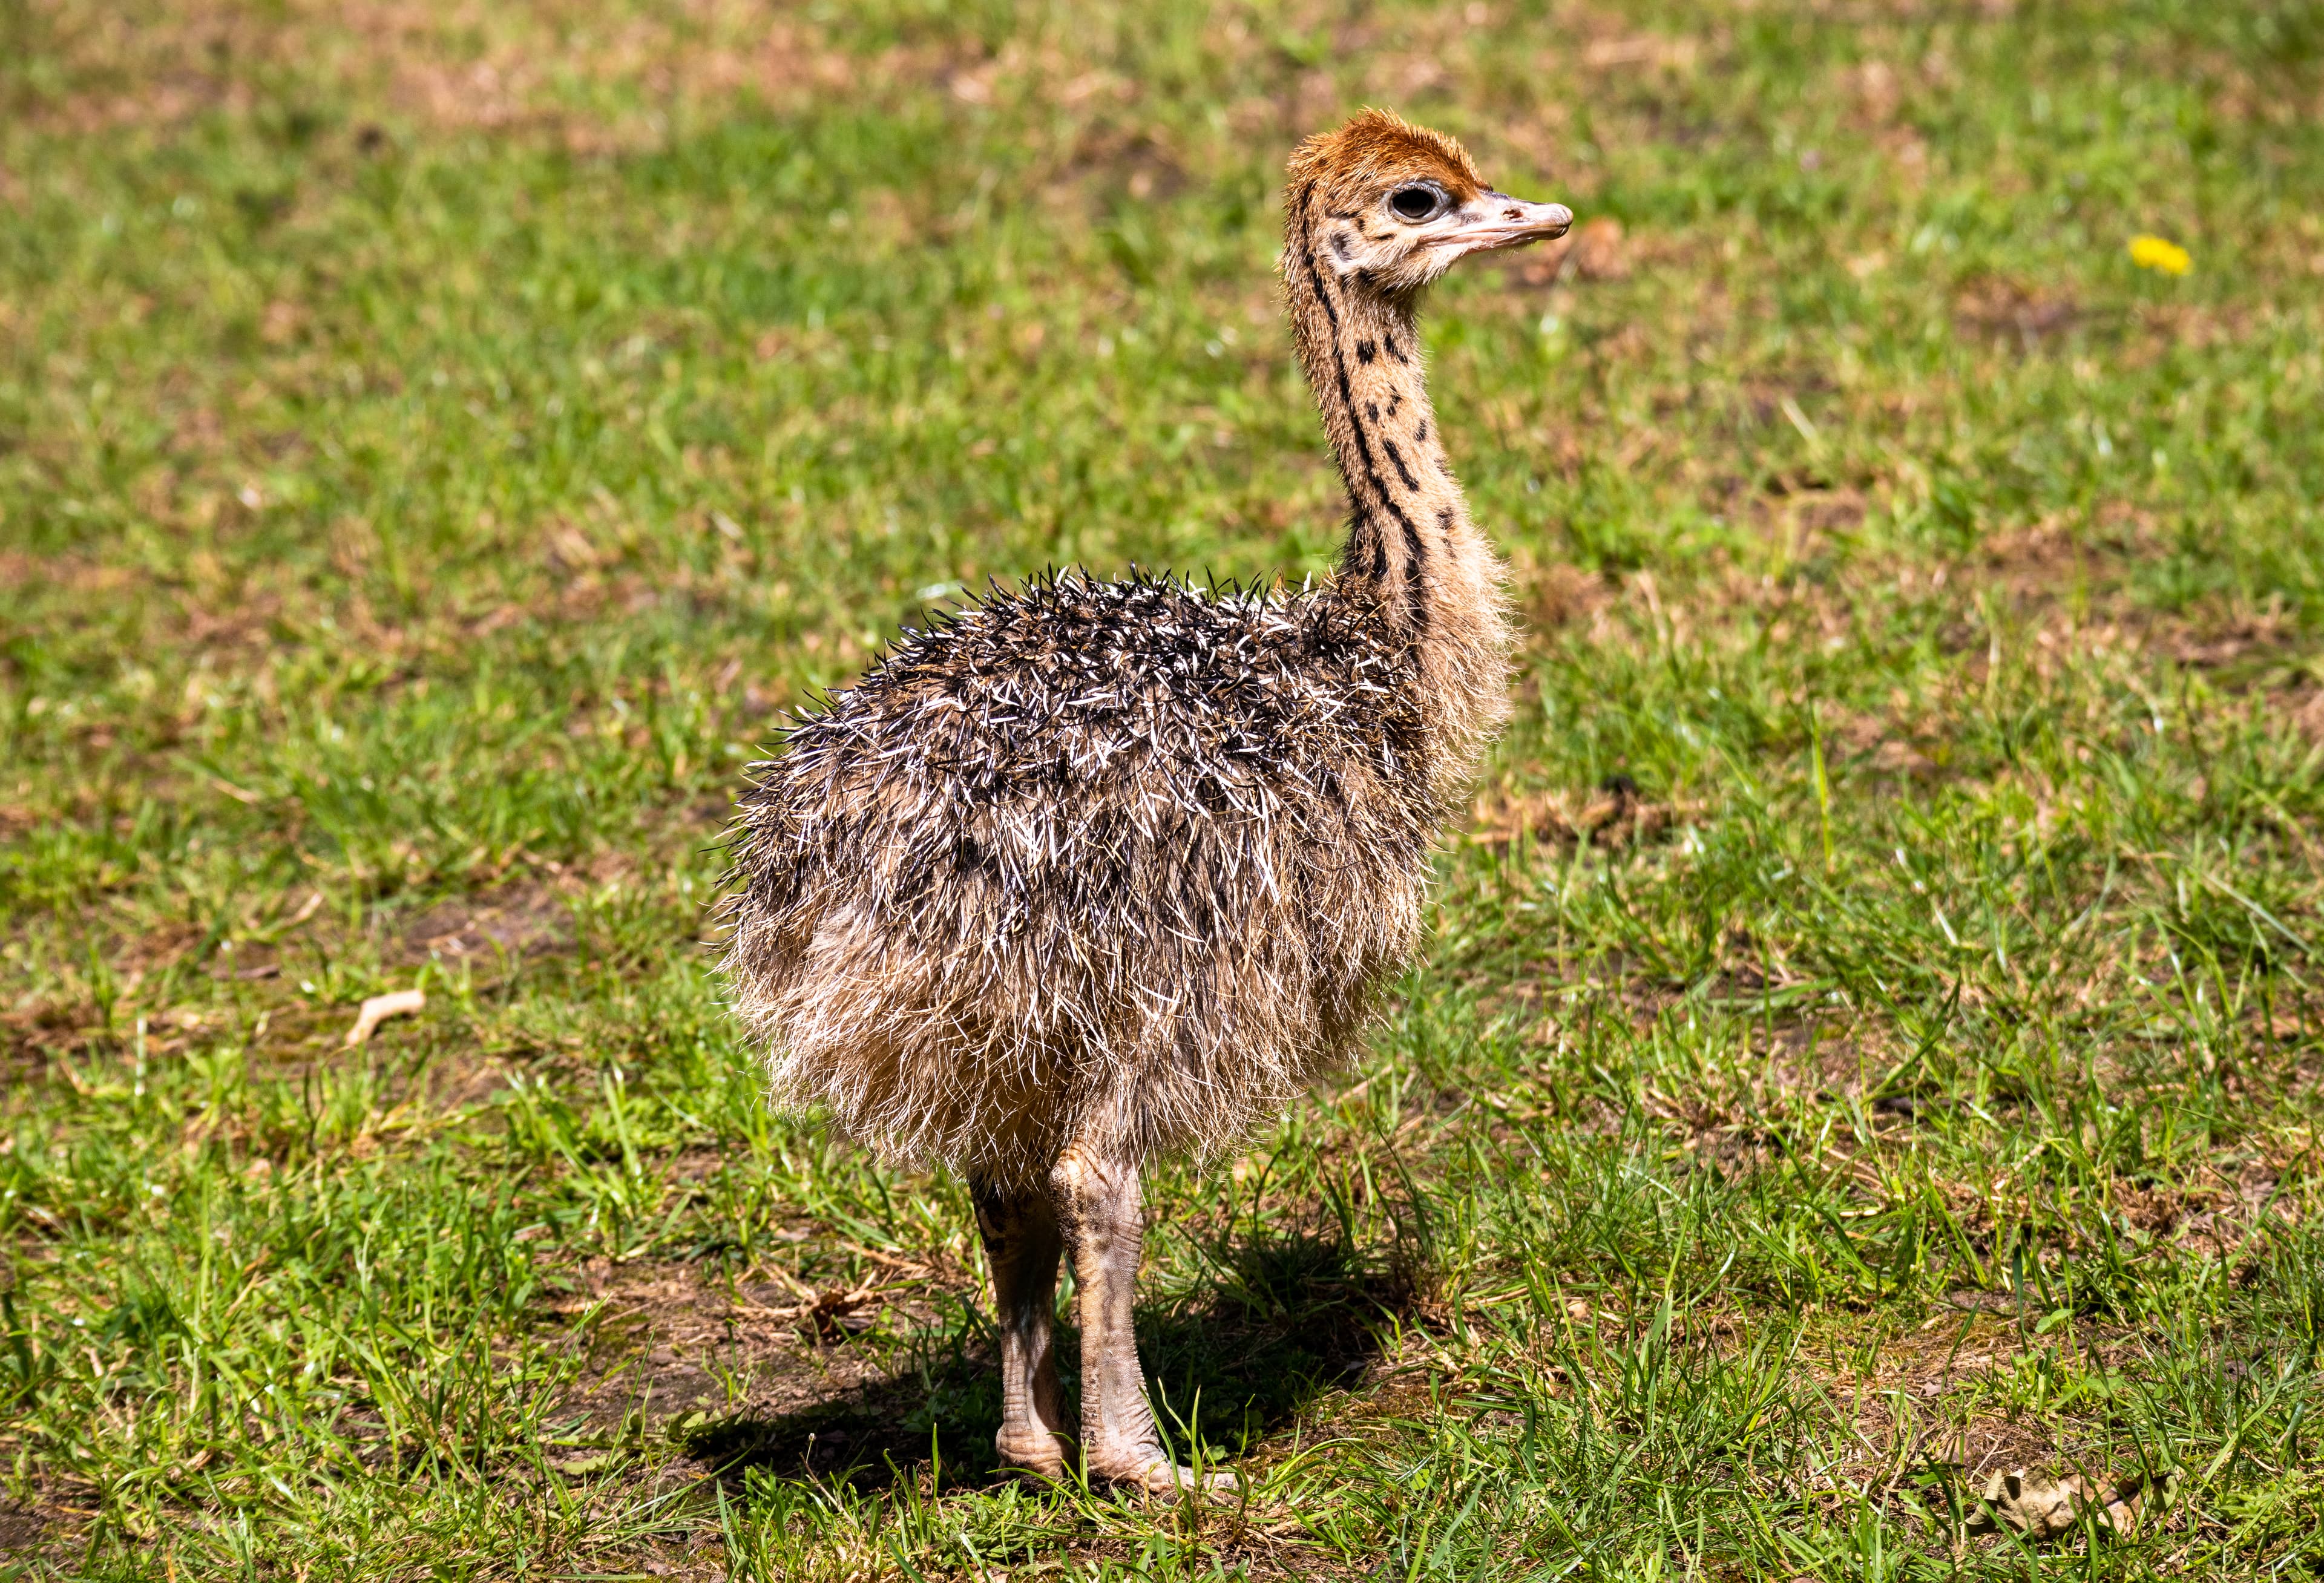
[[1414, 203]]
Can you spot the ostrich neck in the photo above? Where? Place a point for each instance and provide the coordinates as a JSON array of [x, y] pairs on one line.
[[1413, 557]]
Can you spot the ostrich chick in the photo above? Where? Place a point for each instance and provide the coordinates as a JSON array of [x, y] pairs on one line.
[[1094, 871]]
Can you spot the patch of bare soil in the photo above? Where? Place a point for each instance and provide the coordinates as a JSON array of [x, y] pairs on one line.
[[2008, 312], [32, 1034], [64, 576], [2073, 593], [1612, 815], [1554, 595], [452, 65], [593, 78], [762, 1369], [1903, 1413], [2302, 708], [514, 921], [24, 1534]]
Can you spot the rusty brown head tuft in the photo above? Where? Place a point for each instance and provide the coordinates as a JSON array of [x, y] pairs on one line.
[[1377, 149]]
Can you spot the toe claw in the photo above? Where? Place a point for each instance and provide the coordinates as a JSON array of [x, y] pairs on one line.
[[1162, 1477]]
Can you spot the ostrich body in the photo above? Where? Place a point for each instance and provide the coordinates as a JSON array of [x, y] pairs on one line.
[[1094, 871]]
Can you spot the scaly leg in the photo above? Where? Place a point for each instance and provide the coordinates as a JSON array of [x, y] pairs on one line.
[[1021, 1244], [1097, 1202]]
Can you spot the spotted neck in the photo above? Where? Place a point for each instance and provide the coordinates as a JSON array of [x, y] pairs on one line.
[[1413, 558]]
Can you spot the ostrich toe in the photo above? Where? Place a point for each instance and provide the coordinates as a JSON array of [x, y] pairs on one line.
[[1156, 1475]]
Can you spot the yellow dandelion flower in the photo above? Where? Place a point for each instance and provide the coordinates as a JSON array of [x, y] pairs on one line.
[[2153, 252]]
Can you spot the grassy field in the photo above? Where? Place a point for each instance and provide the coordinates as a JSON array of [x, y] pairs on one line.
[[1872, 1032]]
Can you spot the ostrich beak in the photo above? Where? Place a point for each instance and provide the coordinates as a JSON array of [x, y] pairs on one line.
[[1511, 222]]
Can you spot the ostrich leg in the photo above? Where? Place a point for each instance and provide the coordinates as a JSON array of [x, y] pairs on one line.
[[1021, 1244], [1104, 1223]]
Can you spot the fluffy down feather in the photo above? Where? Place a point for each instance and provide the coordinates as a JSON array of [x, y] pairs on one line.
[[1124, 861]]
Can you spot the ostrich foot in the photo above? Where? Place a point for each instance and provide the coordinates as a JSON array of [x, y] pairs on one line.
[[1149, 1469], [1046, 1452]]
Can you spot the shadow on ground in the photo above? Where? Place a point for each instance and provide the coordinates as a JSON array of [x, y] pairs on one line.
[[1286, 1320]]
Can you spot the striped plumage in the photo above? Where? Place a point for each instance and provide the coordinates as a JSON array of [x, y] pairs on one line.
[[1096, 869]]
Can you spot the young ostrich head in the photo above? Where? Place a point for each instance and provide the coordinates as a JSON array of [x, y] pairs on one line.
[[1397, 204]]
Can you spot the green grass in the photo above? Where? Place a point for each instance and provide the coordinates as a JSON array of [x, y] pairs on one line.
[[430, 459]]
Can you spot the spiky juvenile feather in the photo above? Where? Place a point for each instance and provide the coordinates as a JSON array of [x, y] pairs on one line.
[[1128, 857]]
